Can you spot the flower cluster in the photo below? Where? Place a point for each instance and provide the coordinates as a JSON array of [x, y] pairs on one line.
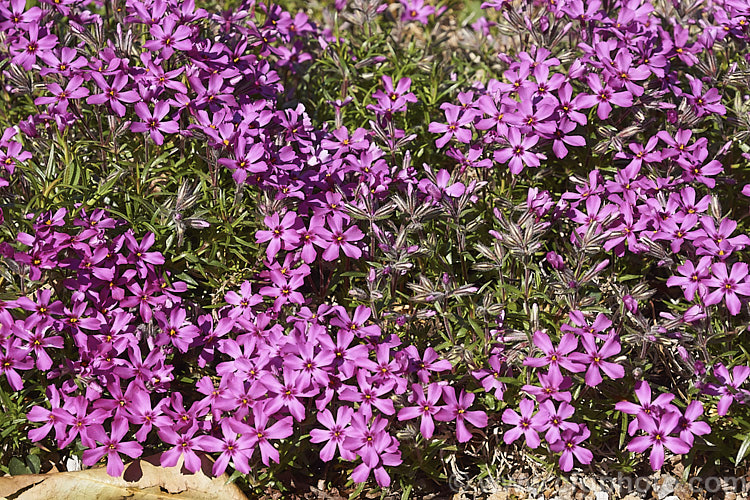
[[368, 319]]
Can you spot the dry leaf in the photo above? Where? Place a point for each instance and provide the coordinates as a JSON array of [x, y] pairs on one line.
[[142, 480]]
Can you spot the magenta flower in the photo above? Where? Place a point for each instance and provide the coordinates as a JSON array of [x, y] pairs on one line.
[[236, 446], [152, 122], [113, 93], [456, 121], [570, 446], [429, 362], [689, 426], [57, 418], [376, 447], [426, 407], [29, 46], [457, 409], [556, 419], [728, 285], [38, 342], [704, 103], [261, 434], [335, 434], [112, 446], [168, 37], [729, 389], [604, 97], [491, 377], [12, 358], [526, 424], [397, 96], [338, 240], [60, 96], [658, 407], [281, 233], [518, 151], [370, 395], [555, 357], [356, 324], [552, 385], [442, 187], [186, 444], [693, 278], [416, 10], [594, 358], [142, 412], [658, 437]]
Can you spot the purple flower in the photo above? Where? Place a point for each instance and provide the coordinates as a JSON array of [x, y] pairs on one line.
[[261, 433], [693, 278], [518, 151], [112, 446], [457, 409], [429, 362], [113, 93], [552, 385], [658, 407], [658, 437], [555, 357], [12, 358], [730, 384], [526, 424], [60, 96], [281, 233], [555, 419], [704, 103], [594, 358], [456, 121], [186, 444], [152, 122], [425, 408], [29, 46], [376, 447], [236, 446], [569, 445], [491, 377], [334, 435], [337, 239], [728, 285], [416, 10], [689, 424], [57, 418], [604, 97], [168, 37]]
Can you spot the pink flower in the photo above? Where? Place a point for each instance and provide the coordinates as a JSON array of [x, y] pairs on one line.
[[555, 356], [112, 446], [594, 358], [518, 153], [569, 445], [658, 437], [334, 435], [604, 97], [457, 410], [425, 408], [416, 10], [728, 285], [526, 424]]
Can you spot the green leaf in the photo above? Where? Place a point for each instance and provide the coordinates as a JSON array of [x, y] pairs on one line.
[[17, 467], [35, 465], [743, 451], [407, 491]]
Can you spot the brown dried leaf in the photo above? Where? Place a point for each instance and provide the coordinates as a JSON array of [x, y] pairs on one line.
[[142, 480]]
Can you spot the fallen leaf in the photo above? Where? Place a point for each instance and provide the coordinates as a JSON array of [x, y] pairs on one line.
[[142, 480]]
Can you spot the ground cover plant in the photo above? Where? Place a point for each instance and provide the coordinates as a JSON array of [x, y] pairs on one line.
[[379, 244]]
